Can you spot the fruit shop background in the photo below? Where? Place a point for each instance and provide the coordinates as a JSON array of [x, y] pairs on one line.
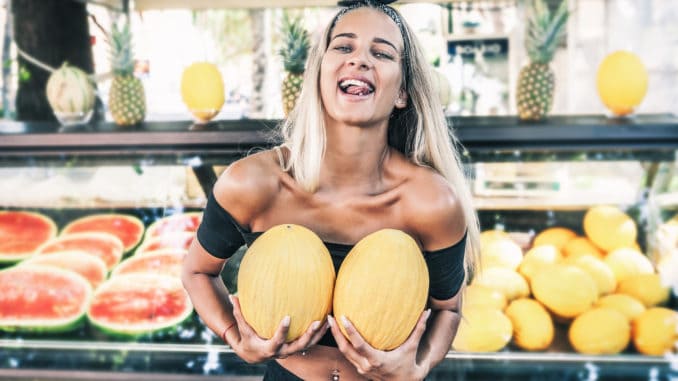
[[168, 40]]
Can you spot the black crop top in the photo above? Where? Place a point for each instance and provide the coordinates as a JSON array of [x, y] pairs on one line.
[[221, 235]]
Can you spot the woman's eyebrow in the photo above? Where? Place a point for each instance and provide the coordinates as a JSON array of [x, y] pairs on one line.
[[378, 40]]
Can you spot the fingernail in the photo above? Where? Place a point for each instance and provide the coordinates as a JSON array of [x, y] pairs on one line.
[[330, 321], [344, 321], [286, 321], [428, 313], [230, 298], [315, 325]]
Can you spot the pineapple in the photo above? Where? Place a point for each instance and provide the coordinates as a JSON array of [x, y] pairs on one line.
[[536, 81], [294, 52], [126, 97]]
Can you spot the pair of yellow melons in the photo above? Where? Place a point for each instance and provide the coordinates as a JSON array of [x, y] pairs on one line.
[[381, 287]]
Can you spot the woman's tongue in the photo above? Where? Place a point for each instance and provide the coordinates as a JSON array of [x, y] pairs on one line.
[[358, 90]]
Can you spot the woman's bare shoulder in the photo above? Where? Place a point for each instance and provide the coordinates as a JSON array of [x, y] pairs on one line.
[[433, 209], [248, 185]]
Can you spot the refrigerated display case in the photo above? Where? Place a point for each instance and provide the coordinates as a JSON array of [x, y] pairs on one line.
[[526, 177]]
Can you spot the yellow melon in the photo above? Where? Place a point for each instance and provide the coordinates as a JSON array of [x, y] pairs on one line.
[[579, 246], [533, 328], [501, 253], [482, 329], [600, 331], [488, 236], [647, 288], [538, 258], [609, 228], [202, 90], [479, 295], [598, 270], [626, 304], [622, 82], [655, 331], [384, 305], [628, 262], [507, 281], [556, 236], [287, 271], [565, 290]]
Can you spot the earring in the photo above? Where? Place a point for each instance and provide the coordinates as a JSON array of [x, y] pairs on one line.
[[400, 102]]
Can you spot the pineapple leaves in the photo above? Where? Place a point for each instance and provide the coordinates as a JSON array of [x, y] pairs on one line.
[[545, 30], [295, 44]]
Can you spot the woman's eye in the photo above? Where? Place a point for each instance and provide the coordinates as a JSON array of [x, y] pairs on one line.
[[342, 48], [383, 55]]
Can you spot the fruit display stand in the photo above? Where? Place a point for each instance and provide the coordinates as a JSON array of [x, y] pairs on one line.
[[527, 177]]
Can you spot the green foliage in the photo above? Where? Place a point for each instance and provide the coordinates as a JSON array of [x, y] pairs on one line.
[[24, 74], [229, 28], [295, 44], [122, 54], [545, 30]]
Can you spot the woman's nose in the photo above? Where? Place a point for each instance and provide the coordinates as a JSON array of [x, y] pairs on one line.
[[361, 60]]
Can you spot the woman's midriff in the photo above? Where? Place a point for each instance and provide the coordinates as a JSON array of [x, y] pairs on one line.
[[318, 364]]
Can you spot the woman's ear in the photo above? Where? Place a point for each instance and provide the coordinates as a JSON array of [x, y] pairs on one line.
[[401, 101]]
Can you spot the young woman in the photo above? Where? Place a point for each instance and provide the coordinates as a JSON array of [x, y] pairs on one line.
[[366, 148]]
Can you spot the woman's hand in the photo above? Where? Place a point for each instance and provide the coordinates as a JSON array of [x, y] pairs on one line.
[[253, 349], [397, 364]]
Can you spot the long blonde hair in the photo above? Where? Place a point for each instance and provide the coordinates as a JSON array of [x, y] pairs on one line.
[[419, 131]]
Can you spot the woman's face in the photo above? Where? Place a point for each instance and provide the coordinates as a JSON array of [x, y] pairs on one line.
[[360, 73]]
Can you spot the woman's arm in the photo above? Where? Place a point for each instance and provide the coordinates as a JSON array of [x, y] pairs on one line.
[[440, 332], [244, 189], [201, 276]]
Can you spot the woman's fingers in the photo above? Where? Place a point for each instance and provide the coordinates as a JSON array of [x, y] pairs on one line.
[[418, 331], [304, 341], [347, 346], [243, 327], [318, 334]]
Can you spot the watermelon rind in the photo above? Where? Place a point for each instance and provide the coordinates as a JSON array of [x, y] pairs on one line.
[[77, 226], [73, 260], [160, 284], [73, 241], [9, 258], [151, 230], [44, 325]]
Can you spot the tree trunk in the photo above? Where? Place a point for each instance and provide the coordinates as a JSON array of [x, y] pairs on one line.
[[6, 69], [258, 62], [52, 31]]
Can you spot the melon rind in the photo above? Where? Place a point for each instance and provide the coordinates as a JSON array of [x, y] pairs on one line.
[[7, 258], [152, 228], [49, 325], [135, 282], [68, 229]]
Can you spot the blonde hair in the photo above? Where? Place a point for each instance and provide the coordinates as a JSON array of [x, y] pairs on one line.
[[419, 131]]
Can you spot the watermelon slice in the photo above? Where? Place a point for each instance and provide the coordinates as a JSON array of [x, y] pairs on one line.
[[22, 232], [106, 246], [35, 298], [179, 240], [89, 266], [181, 222], [133, 305], [128, 228], [164, 261]]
